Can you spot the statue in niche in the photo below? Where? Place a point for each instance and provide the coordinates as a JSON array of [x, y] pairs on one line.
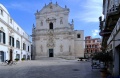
[[61, 22], [50, 40], [61, 48], [41, 47], [70, 50], [41, 23]]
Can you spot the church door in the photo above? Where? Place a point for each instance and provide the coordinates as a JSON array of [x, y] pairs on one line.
[[51, 53]]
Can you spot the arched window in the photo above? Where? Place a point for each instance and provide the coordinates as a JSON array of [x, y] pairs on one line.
[[51, 25], [1, 12], [2, 36], [90, 46], [91, 51], [78, 35]]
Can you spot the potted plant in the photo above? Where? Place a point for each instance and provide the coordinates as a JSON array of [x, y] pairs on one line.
[[106, 59], [23, 59], [103, 57], [16, 59]]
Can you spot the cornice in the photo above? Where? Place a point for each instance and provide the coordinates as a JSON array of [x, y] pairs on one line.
[[9, 27]]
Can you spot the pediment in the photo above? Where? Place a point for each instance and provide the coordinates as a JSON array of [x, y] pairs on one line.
[[52, 8]]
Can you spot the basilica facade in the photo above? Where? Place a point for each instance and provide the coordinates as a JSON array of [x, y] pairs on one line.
[[54, 36]]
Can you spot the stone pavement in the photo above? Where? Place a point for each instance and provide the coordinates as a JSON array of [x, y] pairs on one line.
[[49, 68]]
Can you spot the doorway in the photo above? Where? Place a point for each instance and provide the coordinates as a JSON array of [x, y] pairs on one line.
[[11, 54], [51, 54], [1, 56]]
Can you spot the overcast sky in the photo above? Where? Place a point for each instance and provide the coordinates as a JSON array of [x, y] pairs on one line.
[[84, 12]]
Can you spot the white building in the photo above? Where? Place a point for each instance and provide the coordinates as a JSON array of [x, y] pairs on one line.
[[14, 42], [53, 36]]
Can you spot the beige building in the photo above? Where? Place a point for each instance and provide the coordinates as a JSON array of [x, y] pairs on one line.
[[54, 36], [92, 46]]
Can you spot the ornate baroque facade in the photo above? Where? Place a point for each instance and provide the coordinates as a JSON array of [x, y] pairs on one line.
[[14, 42], [53, 36]]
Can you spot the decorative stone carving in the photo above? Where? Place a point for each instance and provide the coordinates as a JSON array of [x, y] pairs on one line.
[[41, 48], [48, 20], [61, 48], [37, 17], [37, 38]]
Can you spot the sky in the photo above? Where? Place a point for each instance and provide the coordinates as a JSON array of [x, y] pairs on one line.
[[85, 13]]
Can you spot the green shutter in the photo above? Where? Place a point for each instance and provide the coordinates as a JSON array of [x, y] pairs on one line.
[[3, 37], [12, 41], [9, 40]]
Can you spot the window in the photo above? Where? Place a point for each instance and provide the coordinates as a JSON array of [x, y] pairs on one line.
[[51, 25], [2, 37], [1, 12], [17, 44], [24, 46], [41, 23], [24, 56], [11, 21], [89, 41], [78, 35], [95, 50], [87, 46], [95, 46], [17, 29], [28, 48], [61, 22], [18, 56], [11, 41], [91, 51], [90, 46], [87, 51]]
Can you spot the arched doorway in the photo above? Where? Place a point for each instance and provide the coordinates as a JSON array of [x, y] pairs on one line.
[[11, 54], [51, 25]]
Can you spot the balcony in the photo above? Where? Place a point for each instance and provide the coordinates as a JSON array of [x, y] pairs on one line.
[[113, 10], [115, 30], [109, 23]]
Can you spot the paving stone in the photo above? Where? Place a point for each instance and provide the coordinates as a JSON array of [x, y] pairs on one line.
[[49, 68]]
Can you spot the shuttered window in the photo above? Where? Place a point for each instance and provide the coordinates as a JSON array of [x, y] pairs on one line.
[[2, 37], [17, 44], [11, 41]]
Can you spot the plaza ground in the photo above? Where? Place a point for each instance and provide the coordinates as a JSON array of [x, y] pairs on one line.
[[49, 68]]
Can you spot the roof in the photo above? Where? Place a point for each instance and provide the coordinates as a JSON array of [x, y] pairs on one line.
[[4, 8]]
